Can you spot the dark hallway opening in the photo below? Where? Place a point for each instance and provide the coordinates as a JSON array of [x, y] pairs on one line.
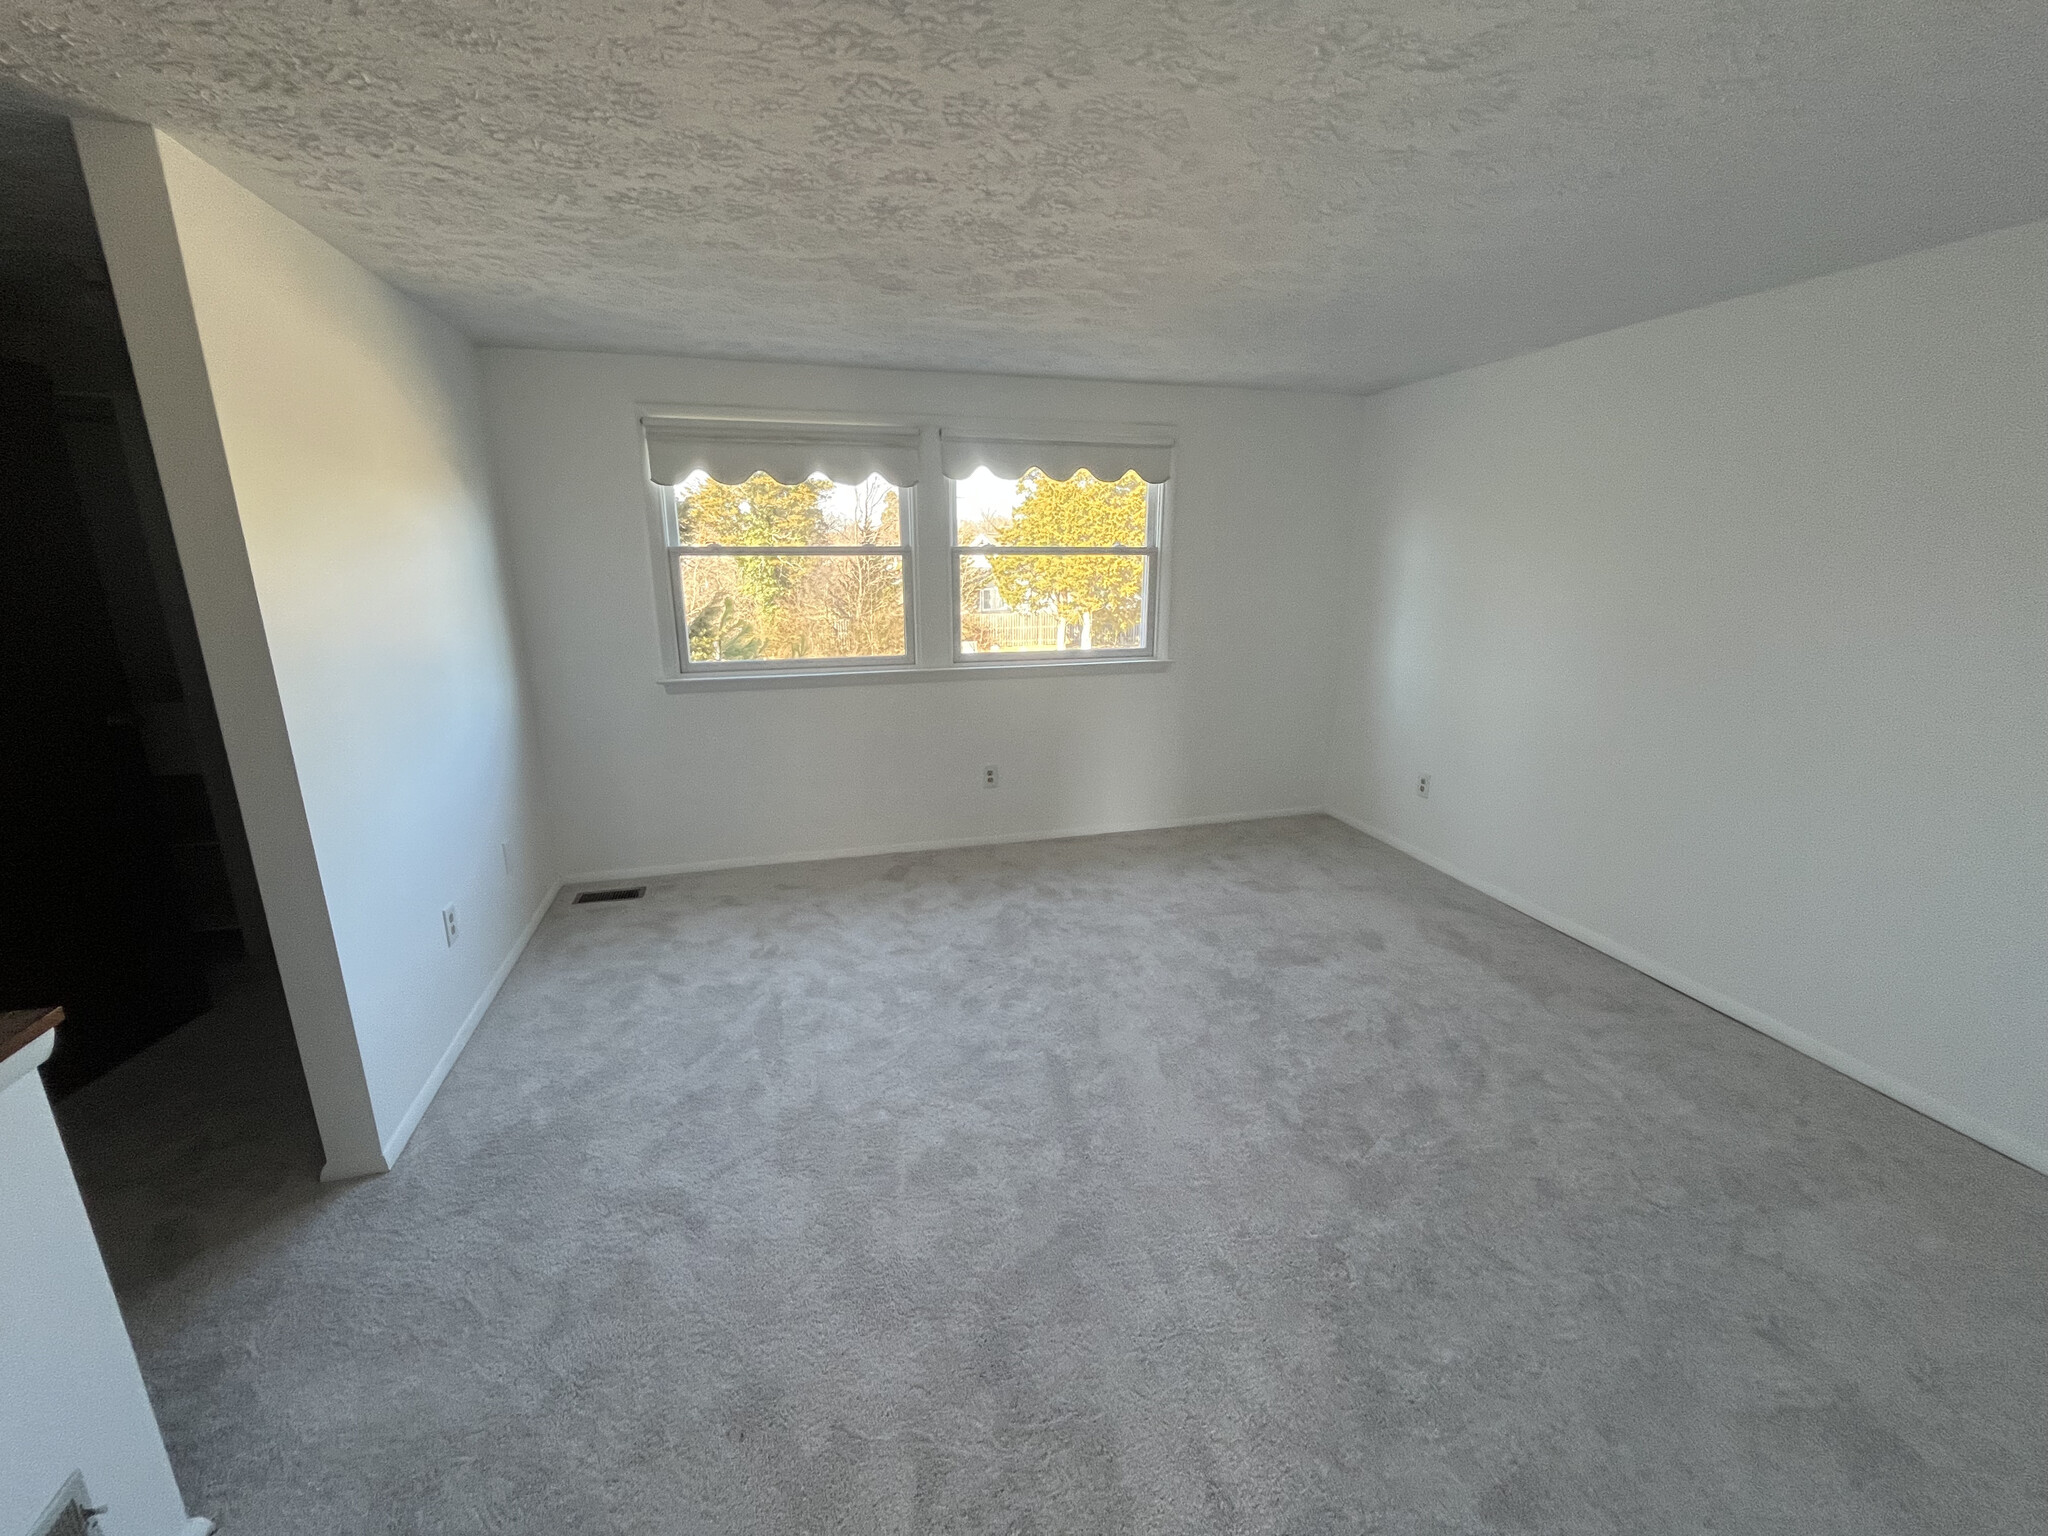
[[127, 892]]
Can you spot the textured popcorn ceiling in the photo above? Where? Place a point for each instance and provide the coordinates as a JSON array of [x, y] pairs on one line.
[[1308, 193]]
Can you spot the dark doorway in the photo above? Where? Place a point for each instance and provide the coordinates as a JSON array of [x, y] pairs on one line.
[[126, 890], [90, 910]]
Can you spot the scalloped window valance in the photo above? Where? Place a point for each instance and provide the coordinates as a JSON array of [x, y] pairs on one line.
[[1010, 458], [733, 452]]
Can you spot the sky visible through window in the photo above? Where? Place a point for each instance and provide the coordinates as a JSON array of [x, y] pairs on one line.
[[983, 504]]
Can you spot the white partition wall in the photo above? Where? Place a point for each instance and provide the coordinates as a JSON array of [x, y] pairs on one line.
[[318, 438], [1723, 640]]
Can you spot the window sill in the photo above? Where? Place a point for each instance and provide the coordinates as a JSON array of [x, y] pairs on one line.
[[720, 682]]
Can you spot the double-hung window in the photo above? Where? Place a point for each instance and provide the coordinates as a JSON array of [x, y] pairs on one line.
[[806, 550], [790, 546], [1055, 547]]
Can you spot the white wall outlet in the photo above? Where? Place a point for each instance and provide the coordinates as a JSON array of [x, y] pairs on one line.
[[449, 931], [988, 777], [1422, 786]]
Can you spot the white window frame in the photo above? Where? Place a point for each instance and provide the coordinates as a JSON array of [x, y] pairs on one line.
[[906, 502], [1155, 518], [927, 528]]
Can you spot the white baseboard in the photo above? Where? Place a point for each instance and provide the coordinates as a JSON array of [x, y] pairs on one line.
[[1897, 1088], [1995, 1137], [705, 866], [332, 1172], [1999, 1140], [402, 1132]]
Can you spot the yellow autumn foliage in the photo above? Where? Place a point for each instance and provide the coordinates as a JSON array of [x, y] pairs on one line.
[[790, 607], [1108, 590]]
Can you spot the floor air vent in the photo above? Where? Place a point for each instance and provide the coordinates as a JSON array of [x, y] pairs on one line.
[[616, 893]]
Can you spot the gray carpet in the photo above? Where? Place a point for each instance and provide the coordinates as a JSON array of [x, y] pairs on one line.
[[1247, 1178]]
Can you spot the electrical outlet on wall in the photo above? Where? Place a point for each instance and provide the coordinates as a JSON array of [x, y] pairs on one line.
[[1422, 786], [449, 931], [988, 777]]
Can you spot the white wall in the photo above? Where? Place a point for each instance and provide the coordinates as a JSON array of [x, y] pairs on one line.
[[71, 1394], [642, 778], [320, 444], [1724, 641]]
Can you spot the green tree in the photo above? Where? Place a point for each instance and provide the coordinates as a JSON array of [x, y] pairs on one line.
[[787, 607], [1098, 594], [719, 633], [760, 510]]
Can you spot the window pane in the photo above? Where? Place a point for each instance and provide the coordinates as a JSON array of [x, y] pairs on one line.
[[1040, 510], [793, 607], [1052, 602], [765, 511]]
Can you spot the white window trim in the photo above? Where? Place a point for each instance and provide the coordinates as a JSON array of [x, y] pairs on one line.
[[1155, 551], [930, 583]]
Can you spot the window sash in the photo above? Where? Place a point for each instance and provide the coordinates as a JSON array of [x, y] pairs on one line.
[[792, 549], [1151, 551], [1148, 610], [907, 657], [677, 552], [797, 666], [1055, 549]]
